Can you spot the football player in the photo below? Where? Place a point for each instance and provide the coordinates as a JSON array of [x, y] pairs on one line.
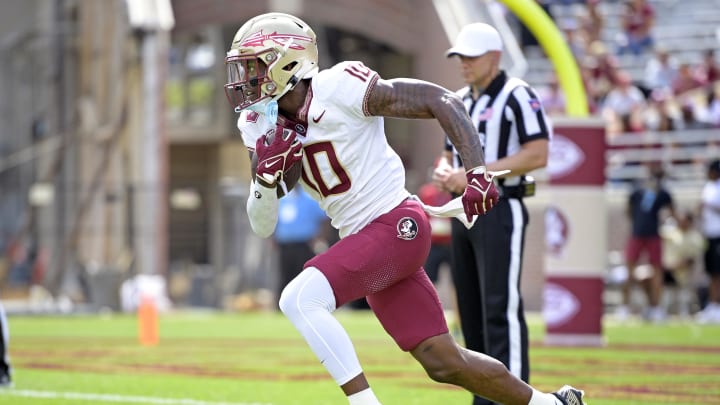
[[336, 118]]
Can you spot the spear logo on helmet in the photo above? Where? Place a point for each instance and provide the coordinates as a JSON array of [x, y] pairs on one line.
[[258, 39]]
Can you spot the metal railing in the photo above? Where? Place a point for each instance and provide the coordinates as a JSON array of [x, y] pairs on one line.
[[684, 154]]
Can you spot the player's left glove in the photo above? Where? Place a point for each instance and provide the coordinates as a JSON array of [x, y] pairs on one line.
[[480, 194]]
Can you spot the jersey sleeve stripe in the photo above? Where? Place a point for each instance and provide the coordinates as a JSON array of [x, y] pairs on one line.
[[368, 91]]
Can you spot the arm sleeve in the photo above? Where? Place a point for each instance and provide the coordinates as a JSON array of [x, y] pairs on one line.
[[262, 209]]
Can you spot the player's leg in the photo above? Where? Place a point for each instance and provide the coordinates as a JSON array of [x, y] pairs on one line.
[[482, 375], [632, 254], [655, 311], [427, 339], [356, 266], [308, 301]]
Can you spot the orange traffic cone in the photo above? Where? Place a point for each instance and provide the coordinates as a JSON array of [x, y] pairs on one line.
[[148, 330]]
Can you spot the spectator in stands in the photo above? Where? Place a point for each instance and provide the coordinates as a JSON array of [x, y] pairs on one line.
[[553, 98], [711, 113], [637, 20], [574, 37], [591, 91], [603, 70], [624, 105], [660, 70], [690, 114], [708, 71], [440, 251], [646, 205], [710, 211], [685, 80], [682, 248], [662, 113], [591, 21]]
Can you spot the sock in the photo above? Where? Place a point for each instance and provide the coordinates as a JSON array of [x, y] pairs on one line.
[[364, 397], [541, 398]]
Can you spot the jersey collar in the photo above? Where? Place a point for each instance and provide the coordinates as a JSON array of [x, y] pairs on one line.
[[493, 88], [496, 84]]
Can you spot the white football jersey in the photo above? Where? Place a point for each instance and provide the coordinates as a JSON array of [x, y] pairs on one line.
[[348, 165]]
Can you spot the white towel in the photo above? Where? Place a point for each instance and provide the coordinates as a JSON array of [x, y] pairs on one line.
[[454, 208]]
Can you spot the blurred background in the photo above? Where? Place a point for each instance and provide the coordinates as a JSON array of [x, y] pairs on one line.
[[122, 171]]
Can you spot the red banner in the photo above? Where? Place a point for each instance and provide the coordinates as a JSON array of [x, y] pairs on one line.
[[575, 234], [577, 154]]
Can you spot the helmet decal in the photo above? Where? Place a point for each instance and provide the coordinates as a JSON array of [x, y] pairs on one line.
[[258, 39]]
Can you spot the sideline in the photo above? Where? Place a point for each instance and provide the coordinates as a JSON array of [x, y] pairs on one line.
[[88, 396]]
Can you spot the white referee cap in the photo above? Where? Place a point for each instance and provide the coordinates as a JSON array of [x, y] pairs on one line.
[[476, 39]]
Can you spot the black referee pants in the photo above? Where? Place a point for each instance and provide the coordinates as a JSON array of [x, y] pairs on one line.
[[486, 269]]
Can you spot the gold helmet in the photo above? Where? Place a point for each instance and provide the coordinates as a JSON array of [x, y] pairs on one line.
[[269, 55]]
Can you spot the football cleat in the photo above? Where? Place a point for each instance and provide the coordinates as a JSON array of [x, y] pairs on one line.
[[569, 395], [5, 381]]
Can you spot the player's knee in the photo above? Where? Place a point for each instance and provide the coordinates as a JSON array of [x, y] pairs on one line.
[[442, 360], [468, 366], [308, 291], [451, 364], [287, 298], [446, 373]]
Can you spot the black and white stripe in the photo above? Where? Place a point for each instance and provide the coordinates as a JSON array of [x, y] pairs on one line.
[[507, 115], [509, 108]]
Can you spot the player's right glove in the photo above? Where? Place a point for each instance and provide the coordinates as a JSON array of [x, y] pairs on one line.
[[274, 158], [480, 193]]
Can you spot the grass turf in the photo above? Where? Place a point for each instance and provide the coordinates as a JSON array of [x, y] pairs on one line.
[[258, 358]]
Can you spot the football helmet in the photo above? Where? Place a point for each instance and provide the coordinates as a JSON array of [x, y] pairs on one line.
[[269, 55]]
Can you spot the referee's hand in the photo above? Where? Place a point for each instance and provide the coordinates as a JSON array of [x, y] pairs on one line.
[[480, 194]]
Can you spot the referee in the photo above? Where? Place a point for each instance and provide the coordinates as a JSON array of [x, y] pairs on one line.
[[487, 258]]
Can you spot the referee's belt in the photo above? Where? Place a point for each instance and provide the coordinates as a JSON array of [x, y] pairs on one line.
[[526, 189], [511, 191]]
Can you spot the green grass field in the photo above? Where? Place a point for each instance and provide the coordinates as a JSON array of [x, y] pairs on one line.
[[259, 359]]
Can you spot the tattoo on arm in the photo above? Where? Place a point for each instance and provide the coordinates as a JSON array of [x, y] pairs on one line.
[[409, 98]]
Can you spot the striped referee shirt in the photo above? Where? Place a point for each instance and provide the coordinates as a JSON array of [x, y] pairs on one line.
[[507, 115]]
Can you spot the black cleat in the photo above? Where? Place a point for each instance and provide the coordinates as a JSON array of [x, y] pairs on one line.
[[5, 381]]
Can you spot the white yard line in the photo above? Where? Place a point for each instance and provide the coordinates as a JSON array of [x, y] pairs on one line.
[[128, 399]]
